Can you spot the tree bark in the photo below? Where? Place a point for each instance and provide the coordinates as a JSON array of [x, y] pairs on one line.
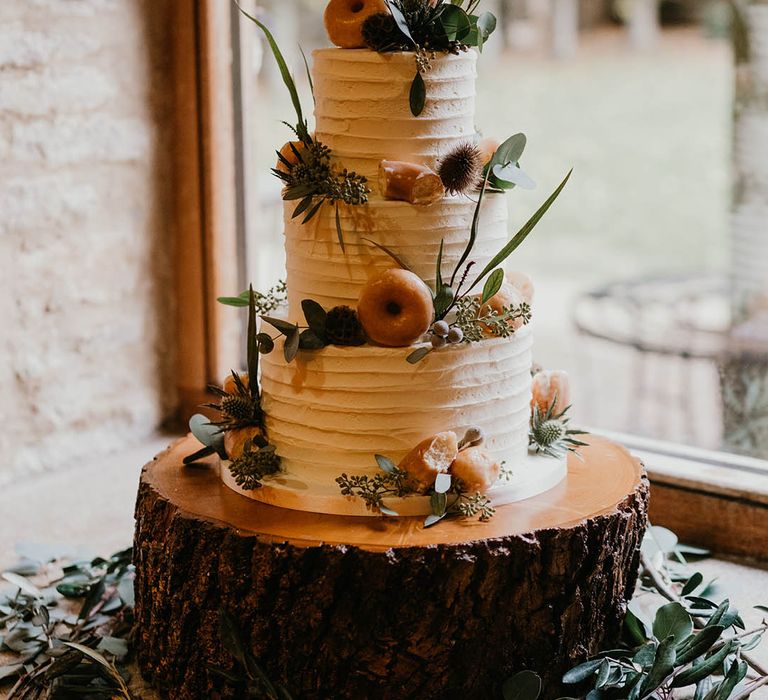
[[333, 620]]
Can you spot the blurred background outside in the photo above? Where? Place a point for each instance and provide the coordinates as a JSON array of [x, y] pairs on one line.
[[650, 269]]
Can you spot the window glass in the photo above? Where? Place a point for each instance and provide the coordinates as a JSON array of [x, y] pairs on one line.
[[632, 264]]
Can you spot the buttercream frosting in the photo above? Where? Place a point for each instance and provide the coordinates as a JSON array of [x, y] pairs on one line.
[[362, 109]]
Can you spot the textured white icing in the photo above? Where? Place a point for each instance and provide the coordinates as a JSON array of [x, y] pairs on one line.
[[362, 109], [318, 269], [331, 410]]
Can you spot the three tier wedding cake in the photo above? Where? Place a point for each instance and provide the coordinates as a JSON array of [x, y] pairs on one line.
[[398, 377]]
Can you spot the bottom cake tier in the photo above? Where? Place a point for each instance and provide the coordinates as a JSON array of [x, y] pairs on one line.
[[536, 475]]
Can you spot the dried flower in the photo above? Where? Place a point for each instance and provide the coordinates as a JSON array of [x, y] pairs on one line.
[[460, 170]]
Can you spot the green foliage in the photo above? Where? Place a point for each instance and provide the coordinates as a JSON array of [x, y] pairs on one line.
[[373, 489], [52, 648], [256, 462], [264, 302], [312, 180]]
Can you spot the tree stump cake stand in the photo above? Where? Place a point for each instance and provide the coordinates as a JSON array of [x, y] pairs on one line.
[[343, 606]]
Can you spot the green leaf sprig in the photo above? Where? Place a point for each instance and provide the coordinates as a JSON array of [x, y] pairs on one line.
[[428, 28]]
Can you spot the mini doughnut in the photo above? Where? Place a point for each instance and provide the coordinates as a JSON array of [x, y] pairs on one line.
[[430, 457], [548, 384], [395, 308], [344, 19], [229, 385], [477, 469], [409, 182], [507, 296], [234, 440], [289, 154]]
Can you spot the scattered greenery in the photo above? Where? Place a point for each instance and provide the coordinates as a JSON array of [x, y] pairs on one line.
[[256, 462], [450, 497], [239, 407], [265, 302], [373, 489], [427, 28], [309, 176], [549, 433], [67, 651]]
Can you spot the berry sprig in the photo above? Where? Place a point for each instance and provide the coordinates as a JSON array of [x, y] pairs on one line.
[[254, 464]]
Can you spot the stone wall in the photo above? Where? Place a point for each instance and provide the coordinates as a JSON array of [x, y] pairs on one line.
[[85, 225]]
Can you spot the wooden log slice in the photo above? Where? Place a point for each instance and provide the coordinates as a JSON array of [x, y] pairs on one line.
[[350, 607]]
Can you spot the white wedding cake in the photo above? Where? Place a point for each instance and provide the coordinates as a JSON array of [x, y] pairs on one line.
[[376, 193]]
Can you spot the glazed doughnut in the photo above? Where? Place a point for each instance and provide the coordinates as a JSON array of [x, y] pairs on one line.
[[344, 20], [395, 308], [409, 182], [476, 468], [430, 457]]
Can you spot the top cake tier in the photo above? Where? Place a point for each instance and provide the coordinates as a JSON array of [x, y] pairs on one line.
[[362, 107]]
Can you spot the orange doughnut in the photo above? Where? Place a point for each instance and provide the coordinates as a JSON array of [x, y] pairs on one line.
[[477, 469], [229, 383], [288, 152], [344, 20], [395, 308]]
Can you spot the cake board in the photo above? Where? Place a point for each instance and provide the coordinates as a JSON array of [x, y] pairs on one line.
[[344, 606]]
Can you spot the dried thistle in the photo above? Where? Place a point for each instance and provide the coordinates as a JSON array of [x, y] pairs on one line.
[[549, 433], [460, 170]]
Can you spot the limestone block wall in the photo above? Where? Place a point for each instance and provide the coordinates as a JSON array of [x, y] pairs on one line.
[[85, 283]]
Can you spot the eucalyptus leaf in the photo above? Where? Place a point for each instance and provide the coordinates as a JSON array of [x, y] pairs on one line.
[[486, 23], [455, 23], [114, 645], [387, 511], [285, 327], [698, 644], [692, 583], [510, 151], [515, 175], [525, 685], [442, 483], [492, 284], [266, 344], [315, 315], [23, 584], [581, 672], [291, 346], [418, 95], [433, 519], [385, 463], [443, 300], [11, 670], [662, 667], [232, 301], [200, 426], [603, 672], [438, 502], [645, 655], [309, 340], [635, 627], [707, 668], [402, 23], [672, 620], [418, 355]]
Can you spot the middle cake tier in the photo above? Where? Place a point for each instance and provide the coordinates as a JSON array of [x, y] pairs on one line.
[[318, 269]]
